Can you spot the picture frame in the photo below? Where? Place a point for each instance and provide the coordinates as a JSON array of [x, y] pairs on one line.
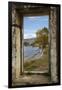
[[15, 49]]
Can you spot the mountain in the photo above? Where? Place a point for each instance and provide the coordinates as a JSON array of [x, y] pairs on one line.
[[29, 41]]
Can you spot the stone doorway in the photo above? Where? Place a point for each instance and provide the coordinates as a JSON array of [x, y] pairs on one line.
[[20, 10]]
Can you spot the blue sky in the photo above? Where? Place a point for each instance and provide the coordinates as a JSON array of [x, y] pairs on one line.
[[33, 24]]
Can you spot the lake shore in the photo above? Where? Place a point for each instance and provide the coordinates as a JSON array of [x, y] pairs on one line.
[[34, 57], [38, 63], [31, 53]]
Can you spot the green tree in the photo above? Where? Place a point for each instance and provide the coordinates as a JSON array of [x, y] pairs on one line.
[[42, 38]]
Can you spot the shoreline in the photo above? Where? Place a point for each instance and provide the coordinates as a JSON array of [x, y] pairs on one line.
[[34, 57]]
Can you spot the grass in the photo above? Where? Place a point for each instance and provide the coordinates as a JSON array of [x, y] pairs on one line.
[[38, 65]]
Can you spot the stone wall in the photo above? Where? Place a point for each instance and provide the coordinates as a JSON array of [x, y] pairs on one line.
[[53, 53], [13, 45], [16, 44], [17, 53]]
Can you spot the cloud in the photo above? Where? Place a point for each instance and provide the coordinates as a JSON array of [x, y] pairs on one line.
[[33, 18], [29, 36], [42, 19]]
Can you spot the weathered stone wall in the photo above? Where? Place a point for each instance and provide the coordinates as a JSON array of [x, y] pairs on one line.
[[16, 44], [13, 45], [53, 52]]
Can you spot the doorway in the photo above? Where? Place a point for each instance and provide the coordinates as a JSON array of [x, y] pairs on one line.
[[36, 44], [37, 40]]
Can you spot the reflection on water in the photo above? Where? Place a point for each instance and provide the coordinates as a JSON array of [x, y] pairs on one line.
[[31, 52]]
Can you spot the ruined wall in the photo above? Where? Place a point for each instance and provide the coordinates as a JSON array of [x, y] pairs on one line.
[[53, 53], [16, 44], [13, 44]]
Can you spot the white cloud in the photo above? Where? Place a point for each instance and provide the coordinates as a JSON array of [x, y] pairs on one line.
[[38, 17], [33, 18], [29, 36]]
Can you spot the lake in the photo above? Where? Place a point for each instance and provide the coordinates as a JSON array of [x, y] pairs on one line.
[[31, 52]]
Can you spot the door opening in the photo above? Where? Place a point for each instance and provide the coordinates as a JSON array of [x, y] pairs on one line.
[[36, 44]]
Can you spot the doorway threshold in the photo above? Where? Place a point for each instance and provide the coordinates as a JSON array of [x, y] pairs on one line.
[[36, 72]]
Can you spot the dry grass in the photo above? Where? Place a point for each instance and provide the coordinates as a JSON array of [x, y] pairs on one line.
[[38, 65]]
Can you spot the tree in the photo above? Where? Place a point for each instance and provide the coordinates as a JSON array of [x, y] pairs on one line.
[[42, 38]]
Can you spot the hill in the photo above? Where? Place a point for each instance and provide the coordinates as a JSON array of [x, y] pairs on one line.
[[29, 41]]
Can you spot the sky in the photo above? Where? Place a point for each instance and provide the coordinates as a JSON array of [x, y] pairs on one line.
[[34, 23]]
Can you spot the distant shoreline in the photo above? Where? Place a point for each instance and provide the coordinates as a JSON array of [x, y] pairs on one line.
[[34, 56]]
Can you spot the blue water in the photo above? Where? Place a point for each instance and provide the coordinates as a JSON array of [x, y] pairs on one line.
[[30, 51]]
